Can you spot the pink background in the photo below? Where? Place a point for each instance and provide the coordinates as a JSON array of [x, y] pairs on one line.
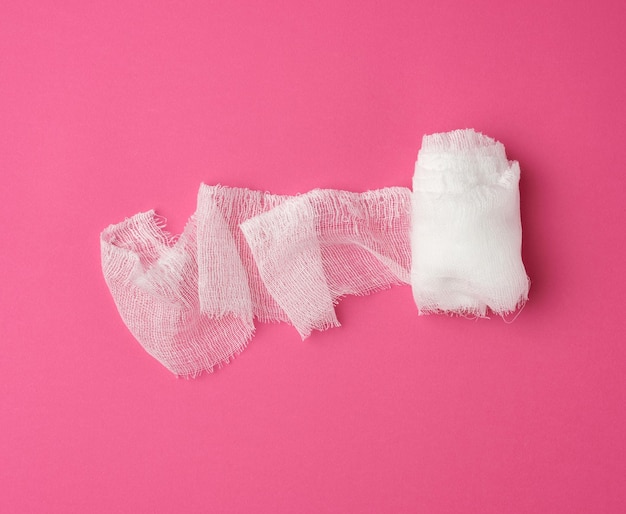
[[111, 109]]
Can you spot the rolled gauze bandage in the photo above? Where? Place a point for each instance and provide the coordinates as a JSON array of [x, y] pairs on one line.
[[466, 233]]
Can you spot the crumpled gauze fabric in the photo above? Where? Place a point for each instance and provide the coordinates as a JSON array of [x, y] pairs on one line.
[[191, 301], [245, 255], [467, 234], [154, 282]]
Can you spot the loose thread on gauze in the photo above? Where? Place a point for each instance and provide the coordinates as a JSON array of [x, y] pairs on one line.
[[250, 255]]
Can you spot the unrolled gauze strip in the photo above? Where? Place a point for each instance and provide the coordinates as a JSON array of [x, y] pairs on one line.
[[466, 234], [190, 301]]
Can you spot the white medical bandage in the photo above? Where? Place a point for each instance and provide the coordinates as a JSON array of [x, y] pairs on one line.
[[467, 235], [248, 255]]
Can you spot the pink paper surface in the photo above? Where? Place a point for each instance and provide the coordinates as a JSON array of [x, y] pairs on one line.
[[111, 108]]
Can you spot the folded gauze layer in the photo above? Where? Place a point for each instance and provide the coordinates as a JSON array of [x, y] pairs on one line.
[[466, 233], [228, 278]]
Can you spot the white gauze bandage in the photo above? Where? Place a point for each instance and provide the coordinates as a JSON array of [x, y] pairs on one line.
[[315, 248], [191, 301], [466, 235]]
